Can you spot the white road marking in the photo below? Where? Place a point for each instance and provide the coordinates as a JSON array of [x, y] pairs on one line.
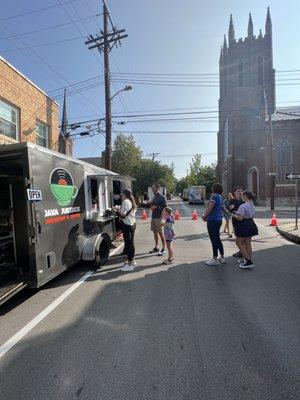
[[43, 314]]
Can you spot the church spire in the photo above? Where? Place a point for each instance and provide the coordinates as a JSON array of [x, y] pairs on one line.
[[63, 135], [225, 44], [268, 23], [250, 27], [231, 35]]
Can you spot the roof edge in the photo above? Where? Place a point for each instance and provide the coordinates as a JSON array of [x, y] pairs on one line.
[[27, 79]]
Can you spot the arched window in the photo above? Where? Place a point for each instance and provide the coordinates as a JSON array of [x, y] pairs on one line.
[[284, 152], [225, 82], [226, 140], [241, 73], [260, 69], [284, 159]]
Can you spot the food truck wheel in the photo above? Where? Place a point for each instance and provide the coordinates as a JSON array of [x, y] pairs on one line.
[[102, 254]]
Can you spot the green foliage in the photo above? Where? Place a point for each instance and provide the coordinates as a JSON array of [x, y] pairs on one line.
[[127, 160], [198, 175], [150, 172], [126, 155]]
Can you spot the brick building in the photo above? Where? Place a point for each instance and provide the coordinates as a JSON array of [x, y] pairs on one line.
[[254, 137], [27, 114]]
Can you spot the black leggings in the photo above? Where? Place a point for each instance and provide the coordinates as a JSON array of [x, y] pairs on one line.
[[213, 228], [128, 235]]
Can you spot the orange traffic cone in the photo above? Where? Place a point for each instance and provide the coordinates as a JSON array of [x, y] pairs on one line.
[[194, 215], [274, 220], [177, 215], [144, 214]]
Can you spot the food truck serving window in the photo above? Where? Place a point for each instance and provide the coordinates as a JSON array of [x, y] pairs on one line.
[[97, 198]]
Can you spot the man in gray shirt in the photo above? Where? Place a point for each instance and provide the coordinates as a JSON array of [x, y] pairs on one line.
[[157, 205]]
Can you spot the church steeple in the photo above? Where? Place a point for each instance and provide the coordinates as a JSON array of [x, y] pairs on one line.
[[250, 27], [231, 34], [63, 135], [268, 23], [225, 44]]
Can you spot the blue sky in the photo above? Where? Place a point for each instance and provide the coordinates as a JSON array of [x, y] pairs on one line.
[[166, 37]]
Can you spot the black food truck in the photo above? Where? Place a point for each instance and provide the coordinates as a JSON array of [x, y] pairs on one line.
[[54, 211]]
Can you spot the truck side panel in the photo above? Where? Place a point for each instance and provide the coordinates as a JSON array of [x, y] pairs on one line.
[[59, 216]]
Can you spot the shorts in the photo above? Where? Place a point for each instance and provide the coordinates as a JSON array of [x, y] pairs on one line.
[[156, 226]]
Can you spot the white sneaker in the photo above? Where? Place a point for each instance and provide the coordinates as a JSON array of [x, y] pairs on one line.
[[133, 263], [222, 260], [162, 252], [212, 262], [127, 268]]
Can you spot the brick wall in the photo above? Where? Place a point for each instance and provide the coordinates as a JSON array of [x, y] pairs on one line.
[[32, 104]]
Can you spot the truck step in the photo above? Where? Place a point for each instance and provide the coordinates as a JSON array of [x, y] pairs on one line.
[[9, 289]]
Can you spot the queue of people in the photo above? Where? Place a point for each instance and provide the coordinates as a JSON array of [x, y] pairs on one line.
[[237, 207], [240, 209]]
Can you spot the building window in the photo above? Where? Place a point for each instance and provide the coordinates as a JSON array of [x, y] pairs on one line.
[[260, 67], [241, 73], [226, 140], [9, 120], [42, 134], [284, 159]]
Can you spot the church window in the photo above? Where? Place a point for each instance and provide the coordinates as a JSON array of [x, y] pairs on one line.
[[241, 73], [225, 82], [284, 159], [226, 140], [260, 66], [284, 152]]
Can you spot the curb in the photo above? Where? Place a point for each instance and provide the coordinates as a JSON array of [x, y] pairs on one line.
[[289, 236]]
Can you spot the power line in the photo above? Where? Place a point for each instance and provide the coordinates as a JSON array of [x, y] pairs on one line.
[[46, 28], [36, 46], [47, 64], [35, 11]]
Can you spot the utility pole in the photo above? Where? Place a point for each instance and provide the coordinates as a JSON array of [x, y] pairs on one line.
[[108, 141], [272, 172], [153, 155], [104, 43]]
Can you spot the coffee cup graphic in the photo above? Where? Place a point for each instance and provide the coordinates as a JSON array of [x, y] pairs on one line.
[[62, 186]]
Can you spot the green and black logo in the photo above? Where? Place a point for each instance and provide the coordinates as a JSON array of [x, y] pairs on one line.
[[62, 186]]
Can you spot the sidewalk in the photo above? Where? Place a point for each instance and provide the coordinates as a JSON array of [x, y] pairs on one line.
[[288, 231]]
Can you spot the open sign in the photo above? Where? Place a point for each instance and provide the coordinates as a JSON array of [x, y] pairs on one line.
[[34, 194]]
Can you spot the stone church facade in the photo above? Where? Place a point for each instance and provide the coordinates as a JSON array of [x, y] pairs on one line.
[[255, 138]]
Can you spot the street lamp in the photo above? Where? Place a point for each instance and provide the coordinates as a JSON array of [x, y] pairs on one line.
[[108, 139], [125, 89]]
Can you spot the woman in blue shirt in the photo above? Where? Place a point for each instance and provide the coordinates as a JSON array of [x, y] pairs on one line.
[[213, 216]]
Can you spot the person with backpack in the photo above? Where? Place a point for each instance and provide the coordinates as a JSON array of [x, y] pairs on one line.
[[126, 214]]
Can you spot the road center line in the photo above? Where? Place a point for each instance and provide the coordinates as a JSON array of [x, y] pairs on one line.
[[43, 314]]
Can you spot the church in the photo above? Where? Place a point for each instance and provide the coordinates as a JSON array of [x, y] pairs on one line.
[[258, 143]]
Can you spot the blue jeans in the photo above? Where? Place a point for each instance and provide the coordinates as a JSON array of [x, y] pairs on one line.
[[213, 228]]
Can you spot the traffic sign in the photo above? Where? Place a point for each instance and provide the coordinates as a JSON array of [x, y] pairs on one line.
[[293, 175]]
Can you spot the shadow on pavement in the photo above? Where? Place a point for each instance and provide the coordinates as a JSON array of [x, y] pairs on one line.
[[187, 332]]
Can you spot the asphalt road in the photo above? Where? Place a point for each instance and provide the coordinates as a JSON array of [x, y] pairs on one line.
[[180, 332]]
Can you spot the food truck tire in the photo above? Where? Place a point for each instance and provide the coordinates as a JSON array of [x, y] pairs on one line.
[[101, 253]]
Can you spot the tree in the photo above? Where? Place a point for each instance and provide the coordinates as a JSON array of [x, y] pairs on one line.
[[195, 170], [126, 155], [150, 172], [198, 175]]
